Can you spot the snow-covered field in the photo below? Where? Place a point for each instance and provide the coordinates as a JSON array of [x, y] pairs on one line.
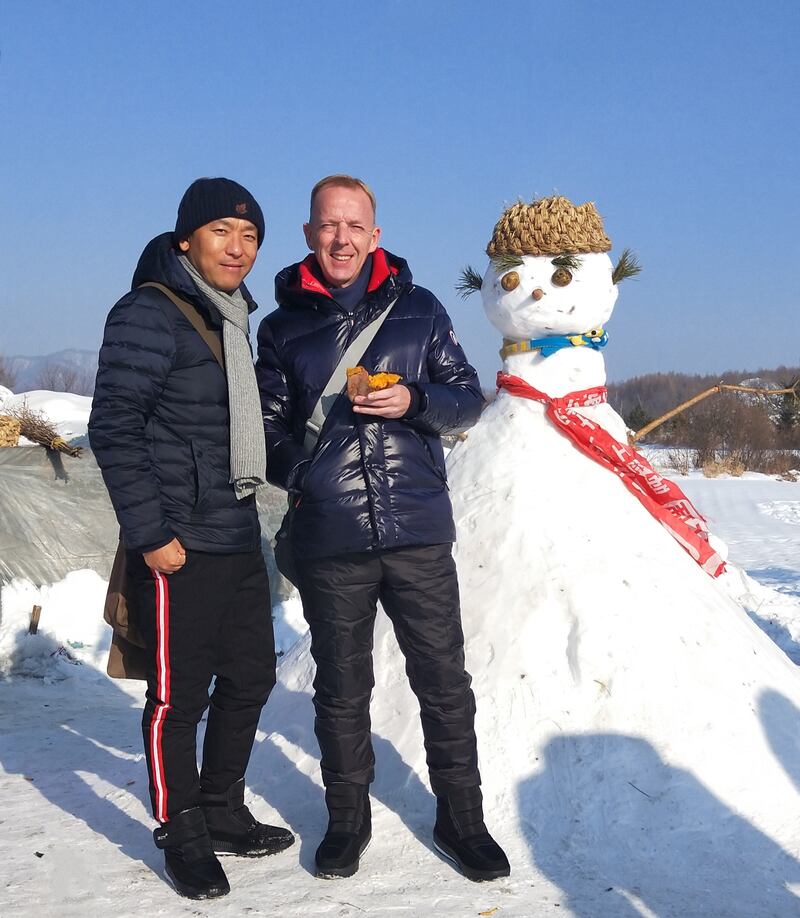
[[75, 827], [75, 823]]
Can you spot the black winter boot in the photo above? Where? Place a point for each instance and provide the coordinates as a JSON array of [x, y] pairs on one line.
[[190, 864], [234, 829], [349, 830], [461, 835]]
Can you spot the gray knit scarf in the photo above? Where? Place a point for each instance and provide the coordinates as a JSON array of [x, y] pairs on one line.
[[248, 448]]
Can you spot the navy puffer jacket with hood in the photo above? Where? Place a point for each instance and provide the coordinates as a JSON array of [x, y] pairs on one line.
[[372, 483], [160, 421]]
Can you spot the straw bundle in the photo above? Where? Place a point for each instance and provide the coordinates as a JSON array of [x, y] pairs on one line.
[[9, 431], [35, 427]]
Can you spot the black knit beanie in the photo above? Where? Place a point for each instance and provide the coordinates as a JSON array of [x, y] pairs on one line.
[[208, 199]]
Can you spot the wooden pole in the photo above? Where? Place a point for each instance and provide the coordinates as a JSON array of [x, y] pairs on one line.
[[714, 390], [34, 625]]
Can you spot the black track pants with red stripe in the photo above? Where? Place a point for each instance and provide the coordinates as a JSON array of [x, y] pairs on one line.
[[418, 589], [210, 619]]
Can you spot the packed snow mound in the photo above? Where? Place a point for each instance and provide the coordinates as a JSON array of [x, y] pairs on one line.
[[581, 612], [776, 613], [288, 623], [788, 511], [71, 629], [73, 637]]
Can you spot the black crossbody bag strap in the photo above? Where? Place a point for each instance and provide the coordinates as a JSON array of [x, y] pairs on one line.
[[191, 313]]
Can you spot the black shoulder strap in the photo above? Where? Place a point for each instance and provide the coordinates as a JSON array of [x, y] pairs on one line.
[[338, 379], [195, 318]]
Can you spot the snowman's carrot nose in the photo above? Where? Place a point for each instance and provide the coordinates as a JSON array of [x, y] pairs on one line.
[[538, 293]]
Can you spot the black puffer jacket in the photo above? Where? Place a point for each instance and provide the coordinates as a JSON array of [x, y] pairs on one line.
[[372, 483], [159, 425]]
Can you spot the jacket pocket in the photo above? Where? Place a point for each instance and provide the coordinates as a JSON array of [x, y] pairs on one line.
[[201, 477], [436, 464], [305, 487]]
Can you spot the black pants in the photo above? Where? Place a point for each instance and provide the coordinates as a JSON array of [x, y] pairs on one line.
[[211, 618], [419, 591]]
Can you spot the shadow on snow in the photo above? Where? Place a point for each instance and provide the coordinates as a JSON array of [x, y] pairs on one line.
[[617, 828]]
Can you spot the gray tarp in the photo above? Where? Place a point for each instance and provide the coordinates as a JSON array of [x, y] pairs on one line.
[[55, 517]]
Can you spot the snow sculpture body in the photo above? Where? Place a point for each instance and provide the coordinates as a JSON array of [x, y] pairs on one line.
[[587, 624]]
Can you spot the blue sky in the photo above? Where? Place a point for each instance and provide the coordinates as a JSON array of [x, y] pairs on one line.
[[680, 120]]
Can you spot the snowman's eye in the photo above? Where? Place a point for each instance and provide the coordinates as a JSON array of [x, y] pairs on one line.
[[510, 281], [561, 277]]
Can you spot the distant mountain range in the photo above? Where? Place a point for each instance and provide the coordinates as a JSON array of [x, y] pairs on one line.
[[70, 370]]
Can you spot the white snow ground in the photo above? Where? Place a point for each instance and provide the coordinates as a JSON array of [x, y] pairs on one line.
[[75, 823], [75, 827]]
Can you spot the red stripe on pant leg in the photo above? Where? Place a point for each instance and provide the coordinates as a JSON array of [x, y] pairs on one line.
[[162, 695], [165, 628]]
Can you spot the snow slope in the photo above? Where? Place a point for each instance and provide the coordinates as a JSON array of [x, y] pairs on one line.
[[74, 787], [599, 816]]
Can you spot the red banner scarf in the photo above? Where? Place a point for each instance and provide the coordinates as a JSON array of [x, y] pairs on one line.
[[661, 497]]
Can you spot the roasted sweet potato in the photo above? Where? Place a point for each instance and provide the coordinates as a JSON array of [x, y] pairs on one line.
[[383, 381], [359, 382]]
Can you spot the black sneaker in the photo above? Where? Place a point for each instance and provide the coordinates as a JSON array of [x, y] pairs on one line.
[[234, 830], [189, 861], [461, 836], [349, 830]]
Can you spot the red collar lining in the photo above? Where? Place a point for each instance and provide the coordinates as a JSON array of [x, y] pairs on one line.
[[381, 270], [306, 279]]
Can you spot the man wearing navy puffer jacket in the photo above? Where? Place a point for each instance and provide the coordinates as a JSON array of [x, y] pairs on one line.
[[180, 442], [372, 518]]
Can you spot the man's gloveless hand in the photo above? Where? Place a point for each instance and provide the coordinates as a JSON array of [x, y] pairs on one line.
[[168, 559], [392, 402]]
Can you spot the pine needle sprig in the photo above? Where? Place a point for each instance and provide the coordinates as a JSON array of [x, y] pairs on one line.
[[504, 261], [570, 262], [627, 266], [469, 281]]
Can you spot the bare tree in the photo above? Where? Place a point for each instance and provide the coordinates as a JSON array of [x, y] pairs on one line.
[[726, 428], [60, 377], [8, 376], [788, 413]]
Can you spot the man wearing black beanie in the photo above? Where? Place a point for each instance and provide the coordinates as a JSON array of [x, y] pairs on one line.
[[177, 432]]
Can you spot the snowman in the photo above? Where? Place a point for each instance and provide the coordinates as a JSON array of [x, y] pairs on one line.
[[604, 652], [549, 289]]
